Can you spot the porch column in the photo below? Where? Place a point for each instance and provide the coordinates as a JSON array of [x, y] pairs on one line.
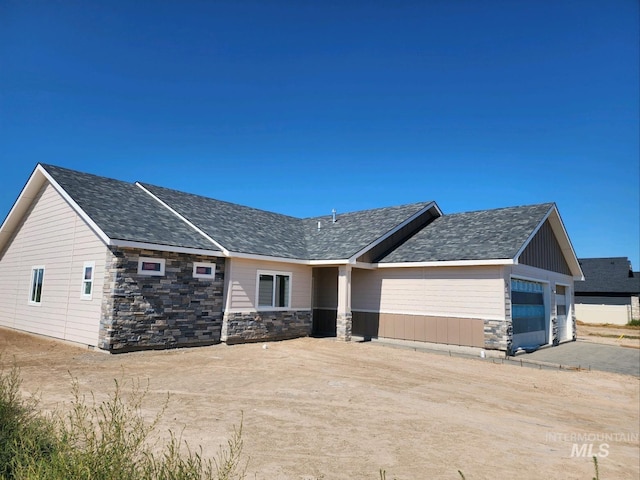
[[343, 319]]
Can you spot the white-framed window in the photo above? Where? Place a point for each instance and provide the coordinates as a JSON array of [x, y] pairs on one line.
[[151, 266], [88, 271], [37, 280], [273, 290], [204, 270]]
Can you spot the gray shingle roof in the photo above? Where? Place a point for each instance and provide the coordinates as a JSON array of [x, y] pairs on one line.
[[124, 212], [481, 235], [236, 227], [353, 231], [607, 276], [249, 230]]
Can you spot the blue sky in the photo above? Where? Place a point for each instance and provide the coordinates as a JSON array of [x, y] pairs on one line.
[[299, 107]]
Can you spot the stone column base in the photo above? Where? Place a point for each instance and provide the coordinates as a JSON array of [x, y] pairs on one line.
[[343, 327]]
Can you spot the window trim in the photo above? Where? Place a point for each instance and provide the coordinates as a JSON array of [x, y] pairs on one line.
[[272, 307], [32, 300], [83, 294], [209, 276], [151, 273]]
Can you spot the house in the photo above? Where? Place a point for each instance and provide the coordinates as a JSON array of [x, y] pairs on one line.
[[609, 292], [123, 267]]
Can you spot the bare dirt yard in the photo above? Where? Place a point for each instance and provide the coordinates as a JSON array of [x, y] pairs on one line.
[[317, 408]]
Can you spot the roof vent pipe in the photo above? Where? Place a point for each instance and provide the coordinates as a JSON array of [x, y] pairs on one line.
[[333, 215], [318, 225]]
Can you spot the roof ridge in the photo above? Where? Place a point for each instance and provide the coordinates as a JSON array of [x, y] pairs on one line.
[[514, 207], [226, 202], [416, 204]]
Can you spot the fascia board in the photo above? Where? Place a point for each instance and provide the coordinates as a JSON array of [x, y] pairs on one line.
[[448, 263], [381, 239], [165, 248], [268, 258], [184, 219]]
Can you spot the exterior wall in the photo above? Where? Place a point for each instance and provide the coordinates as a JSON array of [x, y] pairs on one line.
[[260, 326], [460, 292], [452, 305], [550, 279], [244, 322], [544, 252], [613, 314], [52, 235], [242, 284], [325, 301], [173, 310], [420, 328]]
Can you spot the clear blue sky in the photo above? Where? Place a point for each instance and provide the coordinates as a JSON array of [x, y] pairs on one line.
[[300, 107]]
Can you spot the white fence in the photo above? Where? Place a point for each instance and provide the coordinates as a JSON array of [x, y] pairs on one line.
[[614, 314]]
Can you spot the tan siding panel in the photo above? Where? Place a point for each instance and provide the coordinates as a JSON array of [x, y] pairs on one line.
[[54, 236], [243, 283], [456, 291]]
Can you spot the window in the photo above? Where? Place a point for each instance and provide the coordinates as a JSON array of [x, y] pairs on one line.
[[204, 270], [274, 289], [37, 278], [87, 280], [151, 266]]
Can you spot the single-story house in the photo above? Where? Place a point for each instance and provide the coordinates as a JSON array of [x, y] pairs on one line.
[[610, 291], [122, 266]]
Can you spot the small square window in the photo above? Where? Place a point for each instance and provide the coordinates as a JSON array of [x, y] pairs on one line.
[[151, 266], [87, 280], [204, 270]]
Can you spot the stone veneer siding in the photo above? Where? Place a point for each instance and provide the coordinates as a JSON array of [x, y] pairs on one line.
[[269, 325], [152, 312], [498, 334]]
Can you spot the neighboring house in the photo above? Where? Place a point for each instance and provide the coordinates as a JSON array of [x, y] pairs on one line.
[[609, 292], [125, 267]]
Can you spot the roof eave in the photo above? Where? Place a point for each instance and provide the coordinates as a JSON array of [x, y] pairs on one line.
[[449, 263], [165, 248]]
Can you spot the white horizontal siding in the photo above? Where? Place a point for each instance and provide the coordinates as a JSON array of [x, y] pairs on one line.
[[54, 236], [242, 283], [463, 292]]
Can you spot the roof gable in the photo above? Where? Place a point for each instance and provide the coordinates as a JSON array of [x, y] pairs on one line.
[[124, 212], [481, 235]]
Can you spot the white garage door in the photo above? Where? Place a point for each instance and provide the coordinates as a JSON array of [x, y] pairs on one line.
[[561, 312]]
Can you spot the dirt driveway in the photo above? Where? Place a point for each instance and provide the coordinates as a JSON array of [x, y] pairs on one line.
[[323, 409]]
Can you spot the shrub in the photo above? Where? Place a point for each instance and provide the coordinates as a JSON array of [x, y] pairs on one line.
[[109, 440]]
